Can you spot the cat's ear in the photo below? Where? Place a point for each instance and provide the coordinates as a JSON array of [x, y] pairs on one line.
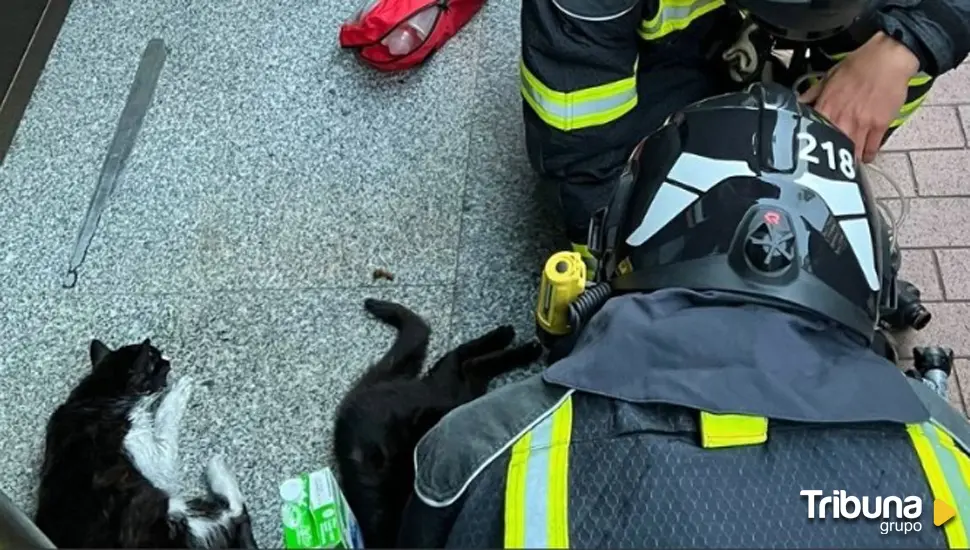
[[140, 368], [142, 365], [144, 354], [98, 351]]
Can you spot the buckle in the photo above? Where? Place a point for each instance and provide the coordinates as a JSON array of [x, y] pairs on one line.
[[594, 238]]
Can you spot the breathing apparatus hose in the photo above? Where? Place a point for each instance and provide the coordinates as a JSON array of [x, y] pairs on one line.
[[588, 303]]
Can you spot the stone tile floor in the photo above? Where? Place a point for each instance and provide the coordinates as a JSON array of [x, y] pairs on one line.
[[930, 161], [272, 176]]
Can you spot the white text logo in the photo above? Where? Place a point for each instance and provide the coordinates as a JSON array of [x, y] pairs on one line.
[[898, 515]]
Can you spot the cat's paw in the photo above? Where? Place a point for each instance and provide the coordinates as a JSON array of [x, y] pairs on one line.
[[529, 352], [174, 404], [183, 387], [506, 332], [222, 482], [498, 338]]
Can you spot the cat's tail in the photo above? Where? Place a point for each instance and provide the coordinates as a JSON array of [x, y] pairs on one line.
[[407, 353]]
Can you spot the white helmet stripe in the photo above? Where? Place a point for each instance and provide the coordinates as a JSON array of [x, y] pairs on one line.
[[670, 201], [703, 173], [844, 198], [859, 234]]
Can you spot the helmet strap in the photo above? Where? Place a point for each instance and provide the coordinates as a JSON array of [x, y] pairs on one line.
[[604, 228]]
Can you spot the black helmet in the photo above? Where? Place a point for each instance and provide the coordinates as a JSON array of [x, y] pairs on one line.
[[804, 20], [754, 194]]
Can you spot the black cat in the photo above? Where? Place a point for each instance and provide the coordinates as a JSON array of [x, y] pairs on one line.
[[110, 477], [391, 406]]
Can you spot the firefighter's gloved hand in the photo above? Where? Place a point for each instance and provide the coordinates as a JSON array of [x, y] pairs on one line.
[[864, 93]]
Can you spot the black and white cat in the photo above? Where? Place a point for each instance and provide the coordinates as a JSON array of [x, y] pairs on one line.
[[391, 406], [110, 477]]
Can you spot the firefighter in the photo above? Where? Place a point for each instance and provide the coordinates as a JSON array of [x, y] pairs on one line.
[[598, 75], [727, 386]]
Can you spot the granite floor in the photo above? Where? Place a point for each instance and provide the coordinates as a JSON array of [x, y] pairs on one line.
[[272, 176]]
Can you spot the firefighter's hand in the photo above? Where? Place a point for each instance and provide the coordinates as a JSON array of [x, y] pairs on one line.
[[863, 94]]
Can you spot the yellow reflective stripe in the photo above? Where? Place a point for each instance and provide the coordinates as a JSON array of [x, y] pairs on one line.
[[907, 110], [515, 510], [537, 484], [557, 533], [581, 108], [956, 466], [675, 15], [732, 430], [918, 80], [913, 82], [946, 468]]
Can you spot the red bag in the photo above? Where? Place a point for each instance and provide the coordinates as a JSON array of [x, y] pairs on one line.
[[393, 35]]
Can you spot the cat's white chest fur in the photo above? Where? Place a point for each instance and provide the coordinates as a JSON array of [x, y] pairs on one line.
[[152, 446], [152, 440]]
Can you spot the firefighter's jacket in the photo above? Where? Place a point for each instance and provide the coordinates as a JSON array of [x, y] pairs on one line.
[[597, 75], [678, 422]]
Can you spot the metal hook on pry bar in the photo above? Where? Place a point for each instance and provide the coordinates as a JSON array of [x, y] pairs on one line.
[[70, 279], [139, 99]]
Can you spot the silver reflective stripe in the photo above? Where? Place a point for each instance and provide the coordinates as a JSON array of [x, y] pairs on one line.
[[674, 15], [537, 486], [573, 110], [592, 18], [951, 470], [537, 482]]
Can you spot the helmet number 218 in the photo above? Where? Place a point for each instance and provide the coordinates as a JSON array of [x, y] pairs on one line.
[[838, 162]]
